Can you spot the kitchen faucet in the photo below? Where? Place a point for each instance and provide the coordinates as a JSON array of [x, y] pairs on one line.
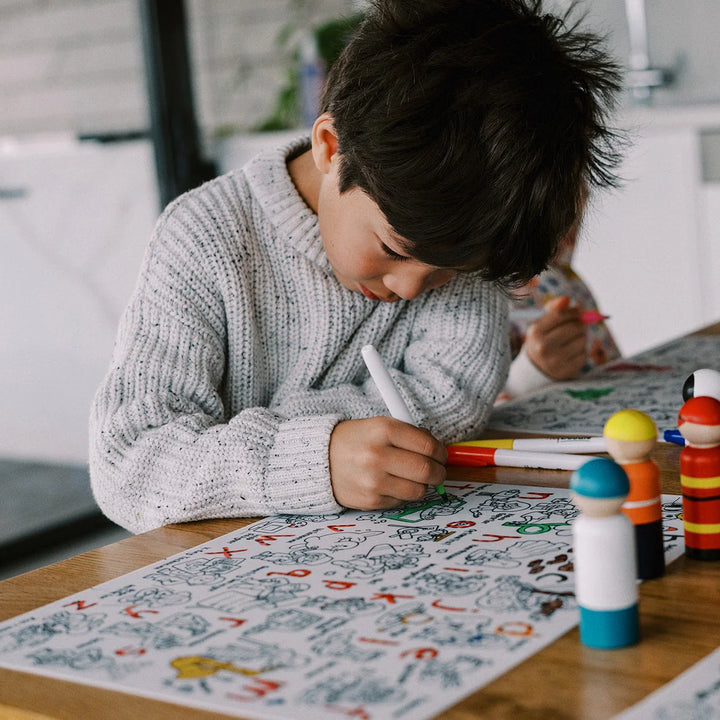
[[641, 77]]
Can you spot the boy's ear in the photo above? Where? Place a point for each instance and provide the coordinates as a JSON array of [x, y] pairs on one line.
[[324, 142]]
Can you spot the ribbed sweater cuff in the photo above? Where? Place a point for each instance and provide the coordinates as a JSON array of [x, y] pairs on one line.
[[298, 476], [524, 376]]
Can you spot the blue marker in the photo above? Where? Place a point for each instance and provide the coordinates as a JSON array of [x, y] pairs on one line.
[[673, 436]]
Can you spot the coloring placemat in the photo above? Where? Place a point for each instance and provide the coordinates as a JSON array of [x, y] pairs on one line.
[[651, 382], [370, 615], [694, 695]]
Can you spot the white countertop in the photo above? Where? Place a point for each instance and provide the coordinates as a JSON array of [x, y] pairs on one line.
[[661, 117]]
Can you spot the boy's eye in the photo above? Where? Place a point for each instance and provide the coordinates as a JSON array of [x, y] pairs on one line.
[[391, 253]]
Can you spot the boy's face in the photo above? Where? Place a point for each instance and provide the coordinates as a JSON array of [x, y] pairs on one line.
[[365, 253]]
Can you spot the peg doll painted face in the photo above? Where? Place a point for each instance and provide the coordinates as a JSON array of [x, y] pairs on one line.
[[599, 487], [699, 421]]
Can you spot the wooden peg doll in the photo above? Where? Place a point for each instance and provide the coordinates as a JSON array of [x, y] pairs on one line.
[[605, 568], [704, 382], [630, 436], [699, 424]]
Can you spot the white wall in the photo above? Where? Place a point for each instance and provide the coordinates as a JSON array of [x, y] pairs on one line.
[[70, 66], [74, 225], [651, 251], [76, 65], [240, 65], [682, 36]]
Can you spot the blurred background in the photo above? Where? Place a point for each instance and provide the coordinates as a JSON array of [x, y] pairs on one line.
[[110, 108]]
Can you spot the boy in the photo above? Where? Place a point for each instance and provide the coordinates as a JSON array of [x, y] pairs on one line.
[[448, 161]]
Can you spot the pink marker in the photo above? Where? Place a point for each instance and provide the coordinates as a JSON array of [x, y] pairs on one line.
[[593, 316]]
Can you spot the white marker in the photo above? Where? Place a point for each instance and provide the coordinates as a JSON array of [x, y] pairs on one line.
[[385, 385], [388, 391], [550, 444]]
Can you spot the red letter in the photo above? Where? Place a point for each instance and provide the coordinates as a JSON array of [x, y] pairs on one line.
[[389, 597], [420, 653], [496, 538], [338, 584], [136, 613], [267, 539], [81, 604]]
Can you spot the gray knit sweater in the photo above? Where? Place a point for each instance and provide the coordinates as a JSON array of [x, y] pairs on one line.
[[239, 353]]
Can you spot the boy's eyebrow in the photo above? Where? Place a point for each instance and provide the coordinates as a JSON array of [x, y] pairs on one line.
[[402, 243], [390, 241], [397, 240]]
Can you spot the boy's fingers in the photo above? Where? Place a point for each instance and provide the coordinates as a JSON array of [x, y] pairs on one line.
[[569, 336], [400, 494], [372, 502], [415, 468], [387, 492], [557, 318], [414, 439], [404, 490], [559, 348]]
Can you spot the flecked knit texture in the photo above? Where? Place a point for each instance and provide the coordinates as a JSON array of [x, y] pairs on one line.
[[239, 352]]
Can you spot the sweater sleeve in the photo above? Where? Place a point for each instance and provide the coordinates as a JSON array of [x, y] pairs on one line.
[[457, 360], [162, 448], [449, 365]]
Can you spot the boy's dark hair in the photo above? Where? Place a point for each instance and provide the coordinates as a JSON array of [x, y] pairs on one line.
[[477, 126]]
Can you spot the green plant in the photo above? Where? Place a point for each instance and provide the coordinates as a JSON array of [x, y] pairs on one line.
[[330, 38]]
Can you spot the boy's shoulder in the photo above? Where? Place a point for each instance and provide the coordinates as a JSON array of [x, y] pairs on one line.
[[264, 174], [264, 180], [236, 213]]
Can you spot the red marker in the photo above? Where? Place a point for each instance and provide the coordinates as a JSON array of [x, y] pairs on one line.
[[473, 456]]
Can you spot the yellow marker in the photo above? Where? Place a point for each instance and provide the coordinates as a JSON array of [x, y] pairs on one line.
[[506, 444]]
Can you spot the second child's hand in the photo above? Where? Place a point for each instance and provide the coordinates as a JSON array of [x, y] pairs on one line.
[[557, 342]]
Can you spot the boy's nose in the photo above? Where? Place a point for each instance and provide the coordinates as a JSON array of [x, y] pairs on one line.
[[406, 283], [410, 282]]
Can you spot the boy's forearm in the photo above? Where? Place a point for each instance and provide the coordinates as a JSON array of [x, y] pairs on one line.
[[192, 467]]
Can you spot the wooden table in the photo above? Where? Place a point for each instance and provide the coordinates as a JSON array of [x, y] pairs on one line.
[[680, 624]]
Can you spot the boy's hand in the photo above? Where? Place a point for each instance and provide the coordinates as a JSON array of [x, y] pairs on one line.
[[380, 463], [557, 342]]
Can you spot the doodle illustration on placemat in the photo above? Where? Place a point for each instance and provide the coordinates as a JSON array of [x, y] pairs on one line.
[[374, 615]]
